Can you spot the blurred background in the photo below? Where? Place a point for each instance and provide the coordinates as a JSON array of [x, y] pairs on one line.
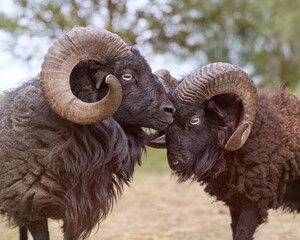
[[261, 36]]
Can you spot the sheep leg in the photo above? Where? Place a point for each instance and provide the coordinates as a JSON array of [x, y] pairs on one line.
[[23, 233], [248, 222], [235, 214], [39, 229]]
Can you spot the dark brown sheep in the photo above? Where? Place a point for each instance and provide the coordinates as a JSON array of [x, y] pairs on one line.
[[66, 157], [249, 174]]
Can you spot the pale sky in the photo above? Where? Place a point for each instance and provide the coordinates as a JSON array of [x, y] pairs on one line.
[[13, 71]]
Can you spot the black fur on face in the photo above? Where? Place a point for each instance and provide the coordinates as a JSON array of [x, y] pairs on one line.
[[196, 139], [144, 103]]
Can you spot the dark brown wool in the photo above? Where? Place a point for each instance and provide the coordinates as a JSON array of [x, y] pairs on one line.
[[206, 142], [265, 172], [53, 168]]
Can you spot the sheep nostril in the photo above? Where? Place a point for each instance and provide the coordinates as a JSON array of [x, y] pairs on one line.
[[169, 109]]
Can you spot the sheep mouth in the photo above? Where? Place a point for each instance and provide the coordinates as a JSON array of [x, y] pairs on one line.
[[158, 123], [165, 121]]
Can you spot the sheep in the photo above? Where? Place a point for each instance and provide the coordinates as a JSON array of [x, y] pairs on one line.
[[217, 110], [70, 138]]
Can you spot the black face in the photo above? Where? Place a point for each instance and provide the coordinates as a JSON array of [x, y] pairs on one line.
[[188, 135], [197, 135], [144, 101]]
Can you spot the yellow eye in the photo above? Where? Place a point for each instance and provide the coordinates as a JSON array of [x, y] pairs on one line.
[[127, 76], [195, 121]]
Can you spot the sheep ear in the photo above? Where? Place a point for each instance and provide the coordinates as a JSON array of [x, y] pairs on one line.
[[99, 79], [214, 111]]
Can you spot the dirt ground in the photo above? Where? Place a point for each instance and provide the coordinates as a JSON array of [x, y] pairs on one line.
[[155, 207]]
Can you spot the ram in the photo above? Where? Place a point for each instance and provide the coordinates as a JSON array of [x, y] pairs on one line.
[[243, 146], [70, 138]]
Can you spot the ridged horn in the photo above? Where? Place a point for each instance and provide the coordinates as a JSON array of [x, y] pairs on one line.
[[220, 78], [77, 45]]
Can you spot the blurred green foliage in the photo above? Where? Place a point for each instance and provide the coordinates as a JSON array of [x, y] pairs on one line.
[[260, 36]]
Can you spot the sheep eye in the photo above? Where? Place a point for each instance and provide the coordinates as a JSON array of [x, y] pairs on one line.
[[195, 121], [127, 76]]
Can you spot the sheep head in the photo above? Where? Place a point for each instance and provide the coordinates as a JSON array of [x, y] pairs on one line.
[[215, 110], [145, 102], [123, 82]]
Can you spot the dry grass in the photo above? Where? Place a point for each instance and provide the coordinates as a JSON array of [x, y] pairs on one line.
[[155, 207]]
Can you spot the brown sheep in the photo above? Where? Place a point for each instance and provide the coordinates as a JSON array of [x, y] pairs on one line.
[[216, 108]]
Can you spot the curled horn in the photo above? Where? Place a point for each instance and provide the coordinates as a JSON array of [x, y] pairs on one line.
[[77, 45], [220, 78]]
